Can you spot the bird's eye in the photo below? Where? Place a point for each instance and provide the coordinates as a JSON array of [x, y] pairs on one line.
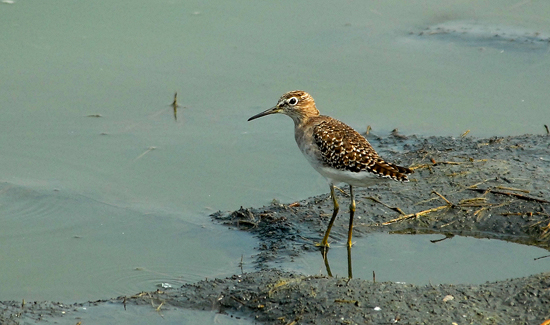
[[293, 101]]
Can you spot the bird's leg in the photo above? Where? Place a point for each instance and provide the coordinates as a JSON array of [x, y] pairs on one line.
[[350, 272], [324, 243], [351, 213], [324, 253]]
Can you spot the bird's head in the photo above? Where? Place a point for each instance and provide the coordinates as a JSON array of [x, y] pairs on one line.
[[297, 104]]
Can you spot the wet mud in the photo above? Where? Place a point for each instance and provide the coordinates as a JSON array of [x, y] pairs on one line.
[[481, 35], [487, 188]]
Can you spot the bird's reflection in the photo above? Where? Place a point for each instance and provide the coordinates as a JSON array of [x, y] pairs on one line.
[[350, 274], [324, 255]]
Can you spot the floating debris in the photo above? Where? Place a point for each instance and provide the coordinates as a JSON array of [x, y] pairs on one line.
[[175, 105], [144, 153], [448, 298], [479, 34], [164, 285]]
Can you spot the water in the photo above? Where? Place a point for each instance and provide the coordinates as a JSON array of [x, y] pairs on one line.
[[67, 247], [115, 314], [89, 210], [423, 259]]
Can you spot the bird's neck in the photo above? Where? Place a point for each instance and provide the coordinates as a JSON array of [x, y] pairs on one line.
[[303, 116]]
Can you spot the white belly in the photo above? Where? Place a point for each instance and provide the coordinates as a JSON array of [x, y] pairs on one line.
[[361, 179]]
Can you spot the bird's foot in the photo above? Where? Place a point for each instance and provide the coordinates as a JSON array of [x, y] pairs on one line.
[[322, 245]]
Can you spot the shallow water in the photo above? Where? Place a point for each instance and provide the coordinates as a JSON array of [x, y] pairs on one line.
[[116, 314], [66, 247], [416, 259], [87, 200]]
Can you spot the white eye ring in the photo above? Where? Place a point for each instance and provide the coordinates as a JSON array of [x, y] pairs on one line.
[[292, 101]]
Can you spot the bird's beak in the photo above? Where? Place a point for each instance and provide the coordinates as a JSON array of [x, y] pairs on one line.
[[273, 110]]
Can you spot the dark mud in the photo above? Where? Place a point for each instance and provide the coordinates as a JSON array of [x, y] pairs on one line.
[[487, 188]]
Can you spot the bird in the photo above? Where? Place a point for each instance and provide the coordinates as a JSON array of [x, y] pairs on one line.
[[335, 150]]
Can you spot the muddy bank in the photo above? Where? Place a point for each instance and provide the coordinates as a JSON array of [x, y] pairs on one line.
[[274, 297], [488, 188]]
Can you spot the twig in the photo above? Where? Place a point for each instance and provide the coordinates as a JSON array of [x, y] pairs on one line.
[[429, 166], [444, 199], [447, 236], [536, 223], [473, 200], [487, 208], [295, 321], [282, 283], [479, 212], [158, 308], [476, 184], [451, 162], [384, 204], [545, 231], [541, 257], [519, 196], [512, 189], [435, 163], [458, 174], [425, 201], [241, 264], [447, 224], [175, 105], [238, 300], [473, 205], [341, 190], [525, 213], [146, 151], [414, 215]]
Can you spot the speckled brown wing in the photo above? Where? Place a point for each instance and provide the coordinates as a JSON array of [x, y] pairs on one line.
[[344, 148]]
